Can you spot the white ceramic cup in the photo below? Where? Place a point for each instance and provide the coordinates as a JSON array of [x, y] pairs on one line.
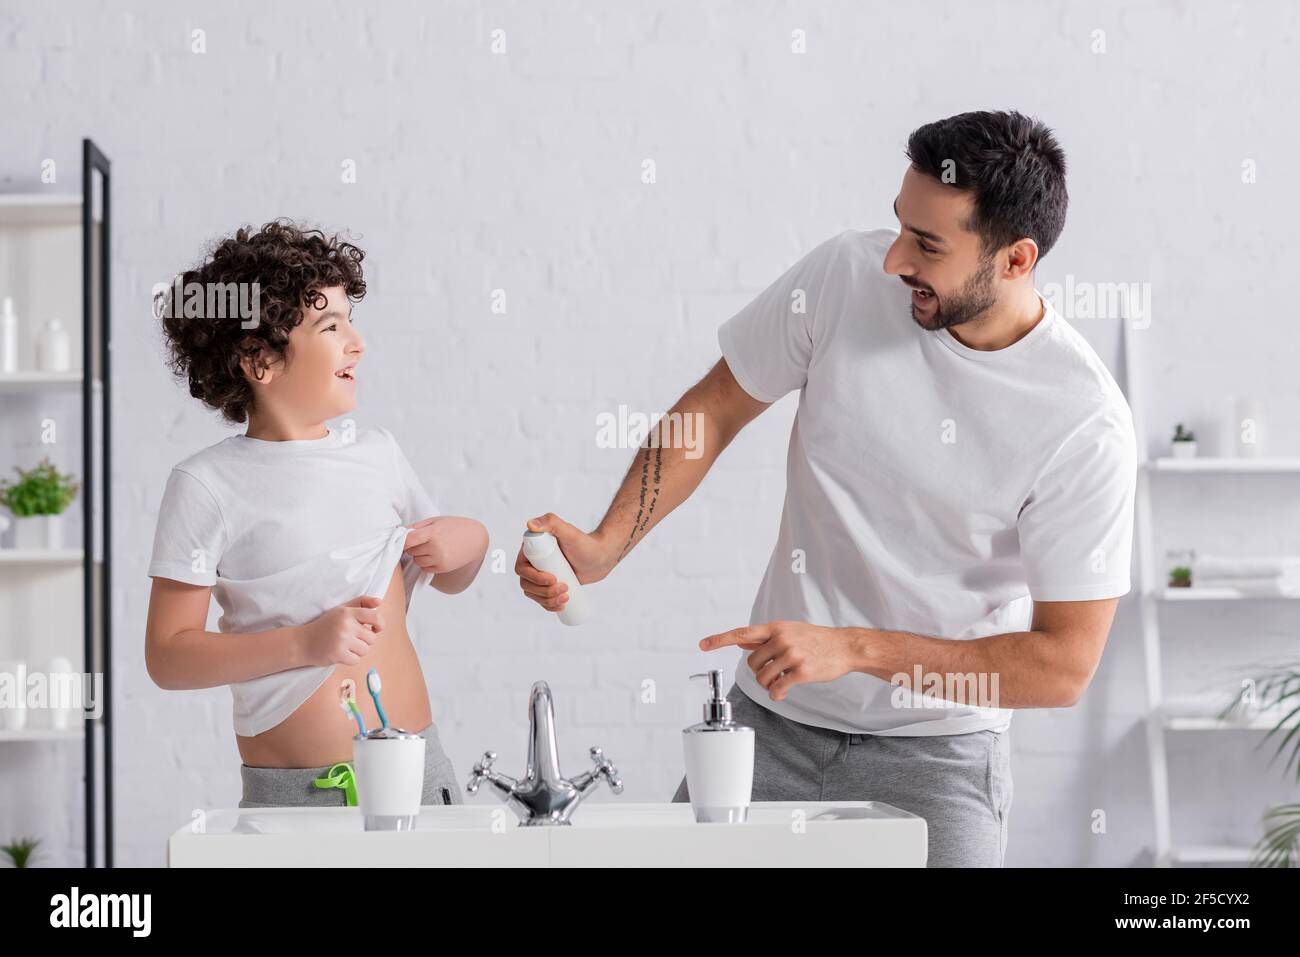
[[389, 768]]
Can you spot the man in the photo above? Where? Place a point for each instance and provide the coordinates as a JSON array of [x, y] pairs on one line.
[[958, 512]]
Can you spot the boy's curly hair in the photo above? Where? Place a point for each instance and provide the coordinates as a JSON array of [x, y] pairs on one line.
[[291, 265]]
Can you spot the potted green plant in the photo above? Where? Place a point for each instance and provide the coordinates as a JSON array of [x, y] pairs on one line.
[[1183, 444], [20, 852], [37, 501], [1180, 577], [1278, 691]]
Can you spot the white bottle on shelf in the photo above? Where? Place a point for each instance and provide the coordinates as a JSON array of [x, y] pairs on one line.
[[543, 553], [1247, 428], [63, 678], [8, 337], [14, 718], [53, 348]]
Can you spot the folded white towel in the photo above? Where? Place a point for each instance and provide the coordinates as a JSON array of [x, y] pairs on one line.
[[1246, 566], [1279, 586]]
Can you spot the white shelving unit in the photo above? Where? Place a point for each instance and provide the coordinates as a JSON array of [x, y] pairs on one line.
[[41, 589], [1224, 465], [20, 382], [1209, 854], [41, 556], [41, 209], [1217, 594], [1152, 593], [54, 262], [42, 734]]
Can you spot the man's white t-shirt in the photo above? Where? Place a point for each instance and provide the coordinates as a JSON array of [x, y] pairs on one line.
[[284, 531], [930, 487]]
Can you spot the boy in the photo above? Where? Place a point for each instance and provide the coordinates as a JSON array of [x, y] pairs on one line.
[[313, 540]]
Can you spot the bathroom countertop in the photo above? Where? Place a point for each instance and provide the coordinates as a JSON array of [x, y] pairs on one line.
[[606, 833]]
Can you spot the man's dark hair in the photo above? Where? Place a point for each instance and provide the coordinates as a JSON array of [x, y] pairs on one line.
[[291, 265], [1013, 166]]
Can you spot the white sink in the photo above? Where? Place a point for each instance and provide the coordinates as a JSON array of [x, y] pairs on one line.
[[605, 834]]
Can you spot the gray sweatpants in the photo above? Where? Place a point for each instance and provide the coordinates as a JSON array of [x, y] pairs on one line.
[[293, 787], [960, 783]]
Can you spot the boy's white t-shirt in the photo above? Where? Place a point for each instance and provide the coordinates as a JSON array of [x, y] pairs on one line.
[[284, 531], [930, 487]]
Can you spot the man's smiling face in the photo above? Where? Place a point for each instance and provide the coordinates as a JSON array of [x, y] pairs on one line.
[[939, 256]]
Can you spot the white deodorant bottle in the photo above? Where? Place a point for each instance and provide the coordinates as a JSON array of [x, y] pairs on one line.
[[543, 553]]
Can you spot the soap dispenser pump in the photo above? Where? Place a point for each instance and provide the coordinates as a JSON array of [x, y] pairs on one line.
[[719, 760]]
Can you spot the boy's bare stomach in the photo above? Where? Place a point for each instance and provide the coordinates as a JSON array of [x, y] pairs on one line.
[[319, 733]]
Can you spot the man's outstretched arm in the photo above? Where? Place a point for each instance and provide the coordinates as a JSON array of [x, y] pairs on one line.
[[1049, 666], [663, 474]]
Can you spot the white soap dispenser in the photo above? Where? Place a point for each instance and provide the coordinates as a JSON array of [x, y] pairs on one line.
[[543, 553], [719, 760]]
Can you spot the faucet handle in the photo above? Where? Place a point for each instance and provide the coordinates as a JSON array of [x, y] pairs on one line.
[[482, 771], [605, 767]]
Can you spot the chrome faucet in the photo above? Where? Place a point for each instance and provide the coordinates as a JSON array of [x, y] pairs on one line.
[[544, 797]]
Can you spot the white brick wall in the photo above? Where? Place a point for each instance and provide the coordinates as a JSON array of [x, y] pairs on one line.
[[521, 172]]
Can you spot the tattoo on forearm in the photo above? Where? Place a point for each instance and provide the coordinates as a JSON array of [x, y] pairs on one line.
[[654, 496], [646, 510], [636, 522]]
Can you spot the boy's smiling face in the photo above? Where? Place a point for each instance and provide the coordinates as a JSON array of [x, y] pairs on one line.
[[316, 381]]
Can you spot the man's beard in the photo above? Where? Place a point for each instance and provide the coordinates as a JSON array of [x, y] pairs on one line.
[[975, 297]]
